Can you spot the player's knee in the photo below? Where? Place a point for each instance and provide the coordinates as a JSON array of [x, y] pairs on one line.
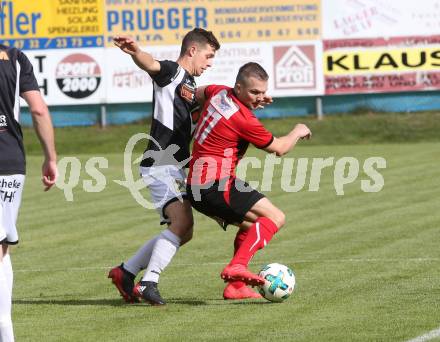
[[279, 218], [187, 224], [187, 237], [182, 226]]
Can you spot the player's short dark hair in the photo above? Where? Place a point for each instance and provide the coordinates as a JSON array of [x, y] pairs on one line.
[[199, 36], [251, 69]]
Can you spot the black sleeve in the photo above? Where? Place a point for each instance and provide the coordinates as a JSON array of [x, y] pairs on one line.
[[27, 77], [168, 71]]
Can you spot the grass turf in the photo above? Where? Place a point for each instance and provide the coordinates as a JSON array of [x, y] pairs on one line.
[[367, 264]]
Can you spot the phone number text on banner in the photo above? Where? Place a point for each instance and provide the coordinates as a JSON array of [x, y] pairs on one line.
[[52, 24]]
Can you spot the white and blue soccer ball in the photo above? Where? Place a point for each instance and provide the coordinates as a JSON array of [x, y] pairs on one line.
[[279, 282]]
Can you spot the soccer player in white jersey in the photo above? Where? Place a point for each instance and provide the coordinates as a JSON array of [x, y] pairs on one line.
[[17, 79], [167, 153]]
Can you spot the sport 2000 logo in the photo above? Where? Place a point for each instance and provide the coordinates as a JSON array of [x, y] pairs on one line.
[[346, 170]]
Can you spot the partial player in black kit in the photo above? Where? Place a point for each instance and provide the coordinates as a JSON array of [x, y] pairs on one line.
[[17, 80]]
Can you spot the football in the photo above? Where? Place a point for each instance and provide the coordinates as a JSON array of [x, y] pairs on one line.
[[279, 282]]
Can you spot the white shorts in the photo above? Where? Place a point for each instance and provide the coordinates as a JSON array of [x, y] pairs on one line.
[[11, 187], [167, 183]]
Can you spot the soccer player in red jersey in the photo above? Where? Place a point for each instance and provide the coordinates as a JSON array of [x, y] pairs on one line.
[[226, 127]]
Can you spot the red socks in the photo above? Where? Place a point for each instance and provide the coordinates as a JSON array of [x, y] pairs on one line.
[[247, 243], [239, 238]]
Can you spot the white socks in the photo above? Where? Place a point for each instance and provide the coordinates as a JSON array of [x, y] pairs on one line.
[[6, 331], [7, 268], [140, 260], [165, 248]]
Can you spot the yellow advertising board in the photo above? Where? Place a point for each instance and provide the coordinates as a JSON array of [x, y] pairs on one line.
[[379, 65], [44, 24], [381, 60], [154, 22], [48, 24]]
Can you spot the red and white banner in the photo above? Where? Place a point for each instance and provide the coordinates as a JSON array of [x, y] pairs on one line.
[[294, 67]]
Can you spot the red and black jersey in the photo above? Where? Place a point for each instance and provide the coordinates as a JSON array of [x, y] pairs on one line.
[[224, 131], [16, 77]]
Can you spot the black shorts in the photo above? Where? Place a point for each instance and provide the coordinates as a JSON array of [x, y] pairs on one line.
[[226, 201]]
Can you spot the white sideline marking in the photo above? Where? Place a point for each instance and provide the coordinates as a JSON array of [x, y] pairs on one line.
[[426, 337], [98, 268]]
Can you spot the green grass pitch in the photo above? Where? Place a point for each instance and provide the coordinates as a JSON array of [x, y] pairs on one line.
[[366, 264]]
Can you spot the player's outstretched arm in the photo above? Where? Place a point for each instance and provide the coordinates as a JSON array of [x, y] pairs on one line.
[[44, 129], [142, 59], [286, 143]]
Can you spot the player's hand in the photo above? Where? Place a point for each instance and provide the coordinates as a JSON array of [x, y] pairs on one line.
[[126, 44], [266, 101], [302, 131], [50, 174]]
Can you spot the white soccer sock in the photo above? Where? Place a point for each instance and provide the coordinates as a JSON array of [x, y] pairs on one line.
[[6, 331], [140, 260], [164, 250], [7, 268]]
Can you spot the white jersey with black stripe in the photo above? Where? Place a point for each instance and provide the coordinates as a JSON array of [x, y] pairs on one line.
[[172, 122]]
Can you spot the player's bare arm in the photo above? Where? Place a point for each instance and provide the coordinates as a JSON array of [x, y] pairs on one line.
[[286, 143], [200, 95], [44, 129], [141, 58]]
